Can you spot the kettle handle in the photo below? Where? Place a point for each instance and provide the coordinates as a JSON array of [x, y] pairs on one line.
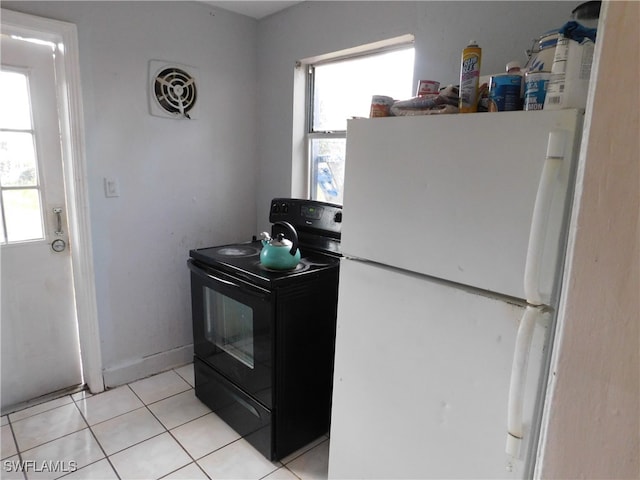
[[293, 235]]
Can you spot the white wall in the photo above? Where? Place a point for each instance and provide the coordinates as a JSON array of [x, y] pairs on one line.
[[592, 421], [504, 30], [184, 184]]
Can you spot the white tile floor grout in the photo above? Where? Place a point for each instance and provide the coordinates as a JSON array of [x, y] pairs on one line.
[[149, 429]]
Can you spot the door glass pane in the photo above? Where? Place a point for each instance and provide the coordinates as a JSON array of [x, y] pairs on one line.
[[327, 160], [229, 326], [17, 160], [22, 214], [14, 98]]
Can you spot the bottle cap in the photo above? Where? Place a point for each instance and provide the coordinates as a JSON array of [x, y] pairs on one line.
[[514, 66]]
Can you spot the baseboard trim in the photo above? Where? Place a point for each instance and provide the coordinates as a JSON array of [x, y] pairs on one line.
[[147, 366]]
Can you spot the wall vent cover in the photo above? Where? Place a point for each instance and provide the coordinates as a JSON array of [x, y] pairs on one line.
[[173, 90]]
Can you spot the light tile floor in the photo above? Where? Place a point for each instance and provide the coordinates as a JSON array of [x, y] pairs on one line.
[[150, 429]]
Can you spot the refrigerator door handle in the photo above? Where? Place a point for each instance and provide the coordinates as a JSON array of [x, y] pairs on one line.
[[539, 221], [553, 161], [515, 424]]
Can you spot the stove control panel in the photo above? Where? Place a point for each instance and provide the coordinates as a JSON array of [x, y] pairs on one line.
[[324, 218]]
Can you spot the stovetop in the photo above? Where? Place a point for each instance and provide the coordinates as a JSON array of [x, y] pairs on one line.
[[318, 226], [243, 260]]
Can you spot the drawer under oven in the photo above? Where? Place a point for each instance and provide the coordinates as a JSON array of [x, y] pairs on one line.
[[244, 414]]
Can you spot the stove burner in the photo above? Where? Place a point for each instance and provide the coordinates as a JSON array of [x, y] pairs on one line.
[[238, 251], [300, 267]]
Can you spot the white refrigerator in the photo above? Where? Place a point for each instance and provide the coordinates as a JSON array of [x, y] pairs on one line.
[[454, 231]]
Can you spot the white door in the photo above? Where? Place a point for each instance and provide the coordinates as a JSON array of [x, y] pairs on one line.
[[421, 379], [40, 348]]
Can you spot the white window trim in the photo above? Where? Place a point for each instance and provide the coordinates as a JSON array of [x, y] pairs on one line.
[[368, 49], [301, 181], [67, 66]]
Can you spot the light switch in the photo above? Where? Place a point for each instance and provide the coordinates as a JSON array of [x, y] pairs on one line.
[[111, 187]]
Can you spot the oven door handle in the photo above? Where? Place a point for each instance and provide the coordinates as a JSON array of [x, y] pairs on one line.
[[209, 276], [221, 280], [195, 269]]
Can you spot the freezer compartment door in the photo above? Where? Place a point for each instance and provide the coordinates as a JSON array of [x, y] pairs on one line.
[[453, 196], [421, 380]]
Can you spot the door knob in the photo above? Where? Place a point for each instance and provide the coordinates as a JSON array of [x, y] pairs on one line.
[[58, 245]]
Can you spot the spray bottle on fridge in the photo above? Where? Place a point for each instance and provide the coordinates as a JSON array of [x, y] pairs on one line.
[[469, 77]]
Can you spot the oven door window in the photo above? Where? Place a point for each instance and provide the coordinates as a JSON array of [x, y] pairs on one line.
[[229, 326]]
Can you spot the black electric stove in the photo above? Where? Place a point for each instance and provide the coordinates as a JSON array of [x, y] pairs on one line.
[[264, 339]]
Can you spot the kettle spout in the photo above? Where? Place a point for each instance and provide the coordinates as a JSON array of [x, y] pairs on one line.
[[266, 238]]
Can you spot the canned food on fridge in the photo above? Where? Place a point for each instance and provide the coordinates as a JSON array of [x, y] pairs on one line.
[[504, 93], [427, 87], [535, 90], [380, 106]]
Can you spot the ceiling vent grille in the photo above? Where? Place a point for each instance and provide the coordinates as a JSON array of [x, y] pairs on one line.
[[173, 90]]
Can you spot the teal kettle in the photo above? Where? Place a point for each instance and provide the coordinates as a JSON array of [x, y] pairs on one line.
[[280, 253]]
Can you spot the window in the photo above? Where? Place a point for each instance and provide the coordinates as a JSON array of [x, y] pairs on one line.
[[342, 89], [20, 202]]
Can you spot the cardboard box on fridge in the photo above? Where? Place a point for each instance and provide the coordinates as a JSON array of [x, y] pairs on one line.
[[570, 74]]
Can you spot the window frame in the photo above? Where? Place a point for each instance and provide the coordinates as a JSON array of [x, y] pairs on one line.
[[404, 42]]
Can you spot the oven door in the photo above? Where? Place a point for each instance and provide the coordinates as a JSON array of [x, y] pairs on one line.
[[232, 329]]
